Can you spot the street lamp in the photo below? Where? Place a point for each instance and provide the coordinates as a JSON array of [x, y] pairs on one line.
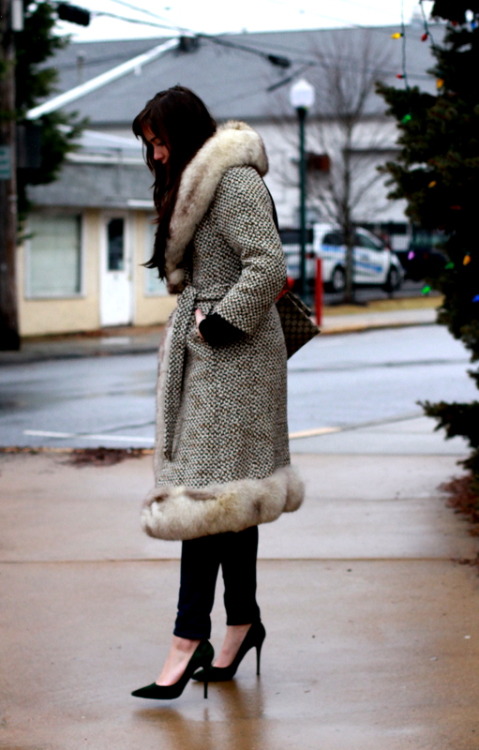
[[301, 97]]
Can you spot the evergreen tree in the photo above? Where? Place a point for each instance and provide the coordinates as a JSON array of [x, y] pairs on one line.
[[437, 172], [53, 135]]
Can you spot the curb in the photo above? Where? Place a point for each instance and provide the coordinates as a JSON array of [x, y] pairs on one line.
[[65, 348], [363, 327]]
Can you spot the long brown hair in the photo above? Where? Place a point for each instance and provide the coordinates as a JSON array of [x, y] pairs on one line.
[[181, 120]]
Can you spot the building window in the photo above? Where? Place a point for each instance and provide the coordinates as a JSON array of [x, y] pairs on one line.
[[116, 245], [154, 287], [54, 256]]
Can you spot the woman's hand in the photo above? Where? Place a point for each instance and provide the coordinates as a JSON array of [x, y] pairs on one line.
[[199, 317]]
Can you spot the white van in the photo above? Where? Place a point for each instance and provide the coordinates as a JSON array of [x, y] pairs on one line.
[[374, 263]]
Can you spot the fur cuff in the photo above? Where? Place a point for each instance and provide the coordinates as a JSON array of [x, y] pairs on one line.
[[216, 331], [179, 513]]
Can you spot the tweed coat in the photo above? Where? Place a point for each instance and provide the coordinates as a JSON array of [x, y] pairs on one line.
[[222, 457]]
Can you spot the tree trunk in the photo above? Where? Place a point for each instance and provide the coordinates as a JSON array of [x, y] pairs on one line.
[[349, 262]]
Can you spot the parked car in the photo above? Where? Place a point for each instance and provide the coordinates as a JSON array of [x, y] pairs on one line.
[[374, 263], [291, 245], [424, 258]]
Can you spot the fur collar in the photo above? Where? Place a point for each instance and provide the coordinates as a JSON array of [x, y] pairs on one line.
[[234, 144]]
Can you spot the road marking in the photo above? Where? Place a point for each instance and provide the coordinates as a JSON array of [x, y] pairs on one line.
[[119, 438], [43, 433], [313, 432]]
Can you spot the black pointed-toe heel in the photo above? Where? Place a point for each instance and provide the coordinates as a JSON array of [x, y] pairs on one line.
[[253, 639], [202, 658]]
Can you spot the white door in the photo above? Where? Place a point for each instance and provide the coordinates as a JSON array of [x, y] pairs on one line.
[[116, 276], [371, 259]]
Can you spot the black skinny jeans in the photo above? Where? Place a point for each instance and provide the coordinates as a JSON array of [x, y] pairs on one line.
[[201, 559]]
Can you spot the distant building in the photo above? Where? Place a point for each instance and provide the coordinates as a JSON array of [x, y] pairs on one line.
[[92, 229]]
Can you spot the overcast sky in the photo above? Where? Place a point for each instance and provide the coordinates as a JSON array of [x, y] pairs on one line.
[[217, 16]]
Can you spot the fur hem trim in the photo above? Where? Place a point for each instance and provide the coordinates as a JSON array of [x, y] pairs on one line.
[[234, 144], [179, 513]]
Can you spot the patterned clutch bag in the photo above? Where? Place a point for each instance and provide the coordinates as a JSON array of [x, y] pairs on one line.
[[298, 328]]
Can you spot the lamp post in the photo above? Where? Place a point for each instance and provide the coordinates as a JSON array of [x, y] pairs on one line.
[[301, 97]]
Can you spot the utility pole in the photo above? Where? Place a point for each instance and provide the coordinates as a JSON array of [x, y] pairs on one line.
[[10, 21]]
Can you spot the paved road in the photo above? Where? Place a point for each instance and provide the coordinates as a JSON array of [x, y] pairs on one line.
[[336, 383]]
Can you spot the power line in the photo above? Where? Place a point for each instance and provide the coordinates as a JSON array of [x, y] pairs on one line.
[[279, 60], [296, 57], [186, 30], [348, 62], [141, 10], [137, 21]]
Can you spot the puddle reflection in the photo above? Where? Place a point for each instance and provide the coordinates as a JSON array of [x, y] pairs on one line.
[[232, 718]]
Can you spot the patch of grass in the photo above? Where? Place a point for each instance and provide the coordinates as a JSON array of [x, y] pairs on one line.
[[81, 456], [103, 456], [463, 497]]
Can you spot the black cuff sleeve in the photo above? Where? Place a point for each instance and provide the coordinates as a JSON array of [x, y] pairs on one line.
[[216, 331]]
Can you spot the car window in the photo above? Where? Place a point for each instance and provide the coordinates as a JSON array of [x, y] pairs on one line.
[[292, 236], [362, 240], [332, 238]]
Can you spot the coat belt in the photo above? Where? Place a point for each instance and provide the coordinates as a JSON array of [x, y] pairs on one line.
[[184, 314]]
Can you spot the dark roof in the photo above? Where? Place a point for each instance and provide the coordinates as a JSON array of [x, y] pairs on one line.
[[235, 82], [80, 61], [95, 186]]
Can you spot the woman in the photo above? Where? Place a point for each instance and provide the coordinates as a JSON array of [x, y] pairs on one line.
[[222, 460]]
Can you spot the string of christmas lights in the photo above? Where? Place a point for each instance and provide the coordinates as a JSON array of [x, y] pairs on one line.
[[428, 36], [402, 36]]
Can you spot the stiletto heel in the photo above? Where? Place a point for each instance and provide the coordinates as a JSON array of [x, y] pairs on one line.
[[253, 639], [258, 657], [202, 657], [207, 677]]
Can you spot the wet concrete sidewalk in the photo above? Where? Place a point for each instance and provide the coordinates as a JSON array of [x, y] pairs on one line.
[[373, 625]]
